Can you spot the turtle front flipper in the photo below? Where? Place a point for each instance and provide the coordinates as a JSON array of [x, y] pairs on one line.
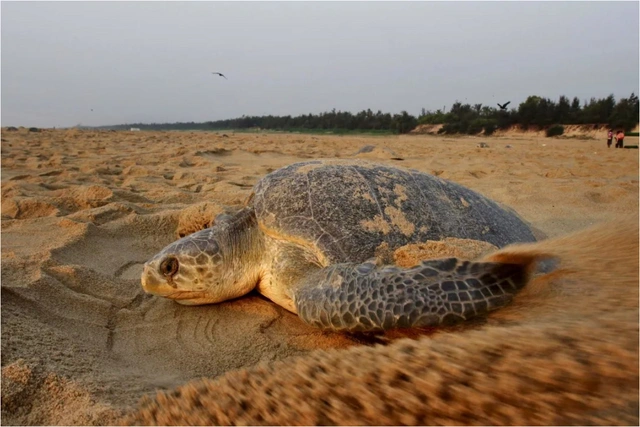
[[364, 297]]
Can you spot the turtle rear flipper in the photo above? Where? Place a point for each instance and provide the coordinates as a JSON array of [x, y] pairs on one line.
[[364, 297]]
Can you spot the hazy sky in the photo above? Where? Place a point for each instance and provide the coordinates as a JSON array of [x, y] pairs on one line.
[[152, 61]]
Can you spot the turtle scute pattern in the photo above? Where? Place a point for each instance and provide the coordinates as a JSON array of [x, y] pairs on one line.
[[436, 292], [347, 209]]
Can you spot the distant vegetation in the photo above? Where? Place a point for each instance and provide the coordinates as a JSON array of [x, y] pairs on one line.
[[334, 131], [538, 112], [555, 130], [334, 121]]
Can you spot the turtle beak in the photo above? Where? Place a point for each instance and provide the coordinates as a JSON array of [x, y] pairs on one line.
[[152, 284]]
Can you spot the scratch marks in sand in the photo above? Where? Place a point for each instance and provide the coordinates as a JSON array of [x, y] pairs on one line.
[[204, 331], [112, 320], [125, 270]]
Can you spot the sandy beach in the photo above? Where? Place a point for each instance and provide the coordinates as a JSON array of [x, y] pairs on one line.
[[83, 210]]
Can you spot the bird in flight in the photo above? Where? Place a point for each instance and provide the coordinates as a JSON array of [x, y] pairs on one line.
[[503, 107], [220, 74]]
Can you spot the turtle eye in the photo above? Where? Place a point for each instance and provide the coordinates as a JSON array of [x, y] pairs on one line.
[[169, 266]]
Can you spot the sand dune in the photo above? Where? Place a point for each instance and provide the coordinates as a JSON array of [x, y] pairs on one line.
[[83, 210]]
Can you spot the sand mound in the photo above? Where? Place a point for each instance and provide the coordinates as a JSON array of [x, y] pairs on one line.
[[197, 217], [83, 210], [27, 208], [426, 129], [31, 396], [559, 364]]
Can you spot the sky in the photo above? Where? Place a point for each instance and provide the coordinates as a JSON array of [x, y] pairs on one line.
[[150, 62]]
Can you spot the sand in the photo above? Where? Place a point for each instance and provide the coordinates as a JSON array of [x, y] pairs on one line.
[[83, 210]]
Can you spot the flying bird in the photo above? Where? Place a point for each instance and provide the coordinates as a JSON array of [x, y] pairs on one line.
[[503, 107], [219, 74]]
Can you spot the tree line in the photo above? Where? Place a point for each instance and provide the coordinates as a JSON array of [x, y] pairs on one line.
[[364, 121], [536, 111]]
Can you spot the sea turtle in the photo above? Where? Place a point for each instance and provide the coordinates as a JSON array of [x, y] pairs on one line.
[[312, 238]]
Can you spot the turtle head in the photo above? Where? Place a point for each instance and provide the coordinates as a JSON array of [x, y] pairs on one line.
[[200, 268]]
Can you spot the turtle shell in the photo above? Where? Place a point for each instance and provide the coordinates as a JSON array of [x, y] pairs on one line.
[[347, 209]]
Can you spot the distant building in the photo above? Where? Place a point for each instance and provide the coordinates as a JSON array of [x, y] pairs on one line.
[[135, 129]]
